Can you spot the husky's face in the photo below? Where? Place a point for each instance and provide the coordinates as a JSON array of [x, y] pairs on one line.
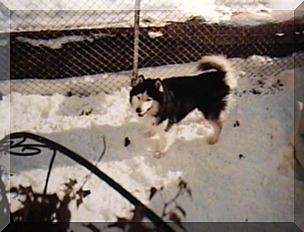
[[146, 96], [143, 104]]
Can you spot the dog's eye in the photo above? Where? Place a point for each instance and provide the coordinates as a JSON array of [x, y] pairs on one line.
[[149, 99]]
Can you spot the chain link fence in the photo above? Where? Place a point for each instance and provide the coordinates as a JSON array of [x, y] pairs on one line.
[[83, 51]]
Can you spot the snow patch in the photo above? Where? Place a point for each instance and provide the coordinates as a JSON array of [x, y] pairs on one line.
[[59, 42], [98, 206], [44, 15]]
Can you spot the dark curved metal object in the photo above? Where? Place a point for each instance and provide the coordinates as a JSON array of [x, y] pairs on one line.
[[8, 144]]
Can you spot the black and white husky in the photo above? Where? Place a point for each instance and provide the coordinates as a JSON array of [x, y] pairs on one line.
[[162, 104]]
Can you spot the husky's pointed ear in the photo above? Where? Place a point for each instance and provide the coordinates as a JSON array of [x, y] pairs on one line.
[[159, 86], [136, 81], [140, 79]]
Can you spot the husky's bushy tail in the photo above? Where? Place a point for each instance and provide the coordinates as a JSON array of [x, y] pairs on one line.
[[221, 64]]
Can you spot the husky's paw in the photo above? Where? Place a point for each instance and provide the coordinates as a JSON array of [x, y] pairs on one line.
[[149, 134], [212, 140], [158, 154]]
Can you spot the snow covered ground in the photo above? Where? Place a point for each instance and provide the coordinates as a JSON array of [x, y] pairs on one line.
[[43, 14], [246, 176]]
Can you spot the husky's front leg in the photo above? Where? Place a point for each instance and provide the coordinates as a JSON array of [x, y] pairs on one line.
[[166, 139], [217, 127]]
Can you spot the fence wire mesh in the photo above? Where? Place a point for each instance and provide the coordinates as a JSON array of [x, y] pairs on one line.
[[66, 47]]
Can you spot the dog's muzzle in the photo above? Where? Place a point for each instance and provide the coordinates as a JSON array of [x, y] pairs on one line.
[[140, 114], [138, 111]]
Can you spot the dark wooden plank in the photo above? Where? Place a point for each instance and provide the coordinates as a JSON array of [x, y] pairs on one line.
[[179, 43]]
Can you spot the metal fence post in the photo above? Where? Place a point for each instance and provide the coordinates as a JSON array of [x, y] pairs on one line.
[[136, 43]]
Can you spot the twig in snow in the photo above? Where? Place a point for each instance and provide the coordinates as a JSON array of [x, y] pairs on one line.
[[81, 193], [100, 157], [173, 216]]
